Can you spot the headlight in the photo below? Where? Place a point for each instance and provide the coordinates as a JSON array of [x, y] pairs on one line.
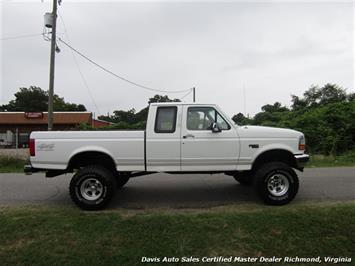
[[302, 143]]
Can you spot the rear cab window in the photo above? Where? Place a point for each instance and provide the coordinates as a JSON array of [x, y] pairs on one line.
[[165, 120]]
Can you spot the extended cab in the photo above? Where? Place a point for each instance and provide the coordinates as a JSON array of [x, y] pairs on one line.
[[179, 138]]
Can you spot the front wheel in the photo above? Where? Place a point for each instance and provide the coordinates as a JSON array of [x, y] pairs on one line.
[[92, 187], [276, 183]]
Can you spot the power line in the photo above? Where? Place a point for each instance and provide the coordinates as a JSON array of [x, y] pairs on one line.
[[186, 94], [118, 76], [78, 66], [20, 37], [23, 36]]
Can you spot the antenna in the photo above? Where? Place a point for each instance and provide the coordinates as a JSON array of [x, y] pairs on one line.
[[244, 99]]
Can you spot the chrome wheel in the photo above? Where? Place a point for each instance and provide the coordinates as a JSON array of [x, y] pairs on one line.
[[91, 189], [278, 184]]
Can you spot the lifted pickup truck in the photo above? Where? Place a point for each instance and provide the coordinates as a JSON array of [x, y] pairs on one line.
[[179, 138]]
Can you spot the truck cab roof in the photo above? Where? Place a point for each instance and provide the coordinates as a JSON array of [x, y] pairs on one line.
[[181, 103]]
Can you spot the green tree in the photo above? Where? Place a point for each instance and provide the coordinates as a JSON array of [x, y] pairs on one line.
[[332, 93], [238, 118], [162, 99], [241, 120], [276, 107], [324, 114], [125, 116], [297, 103], [312, 96], [271, 114], [59, 104], [34, 99], [316, 96]]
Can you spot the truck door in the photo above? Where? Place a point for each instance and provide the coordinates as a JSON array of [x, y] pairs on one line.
[[163, 138], [204, 149]]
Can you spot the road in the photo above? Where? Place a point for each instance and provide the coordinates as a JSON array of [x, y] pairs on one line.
[[176, 191]]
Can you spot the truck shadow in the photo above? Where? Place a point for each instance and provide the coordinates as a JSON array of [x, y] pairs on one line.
[[182, 191]]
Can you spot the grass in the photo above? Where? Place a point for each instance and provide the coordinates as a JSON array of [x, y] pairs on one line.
[[346, 159], [11, 164], [68, 236]]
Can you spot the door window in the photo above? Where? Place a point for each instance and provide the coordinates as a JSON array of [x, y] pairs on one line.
[[222, 124], [201, 118]]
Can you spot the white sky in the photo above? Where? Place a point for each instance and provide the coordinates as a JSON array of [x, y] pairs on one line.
[[269, 49]]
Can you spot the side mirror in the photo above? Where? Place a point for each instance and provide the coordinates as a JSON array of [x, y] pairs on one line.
[[215, 128]]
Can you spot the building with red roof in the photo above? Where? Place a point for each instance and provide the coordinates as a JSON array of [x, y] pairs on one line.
[[22, 124]]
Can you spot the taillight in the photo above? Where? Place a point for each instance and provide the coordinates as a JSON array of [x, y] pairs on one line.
[[31, 144], [302, 143]]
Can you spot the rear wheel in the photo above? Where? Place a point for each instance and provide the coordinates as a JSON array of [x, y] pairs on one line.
[[276, 183], [92, 187]]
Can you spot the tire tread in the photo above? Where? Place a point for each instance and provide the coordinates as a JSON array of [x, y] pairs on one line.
[[259, 181], [97, 170]]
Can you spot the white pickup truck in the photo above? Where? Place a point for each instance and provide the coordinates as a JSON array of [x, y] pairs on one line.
[[179, 138]]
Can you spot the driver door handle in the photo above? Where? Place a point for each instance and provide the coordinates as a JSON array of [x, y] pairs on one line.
[[188, 136]]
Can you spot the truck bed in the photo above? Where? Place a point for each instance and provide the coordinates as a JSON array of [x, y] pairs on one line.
[[126, 147]]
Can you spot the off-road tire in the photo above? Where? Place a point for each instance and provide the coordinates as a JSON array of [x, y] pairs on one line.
[[264, 182], [86, 179]]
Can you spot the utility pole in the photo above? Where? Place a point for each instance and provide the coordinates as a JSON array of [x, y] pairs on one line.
[[52, 64], [193, 94]]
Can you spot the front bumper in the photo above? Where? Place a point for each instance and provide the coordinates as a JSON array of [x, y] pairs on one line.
[[301, 160]]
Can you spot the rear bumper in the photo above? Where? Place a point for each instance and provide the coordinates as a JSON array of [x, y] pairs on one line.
[[28, 169], [301, 160]]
